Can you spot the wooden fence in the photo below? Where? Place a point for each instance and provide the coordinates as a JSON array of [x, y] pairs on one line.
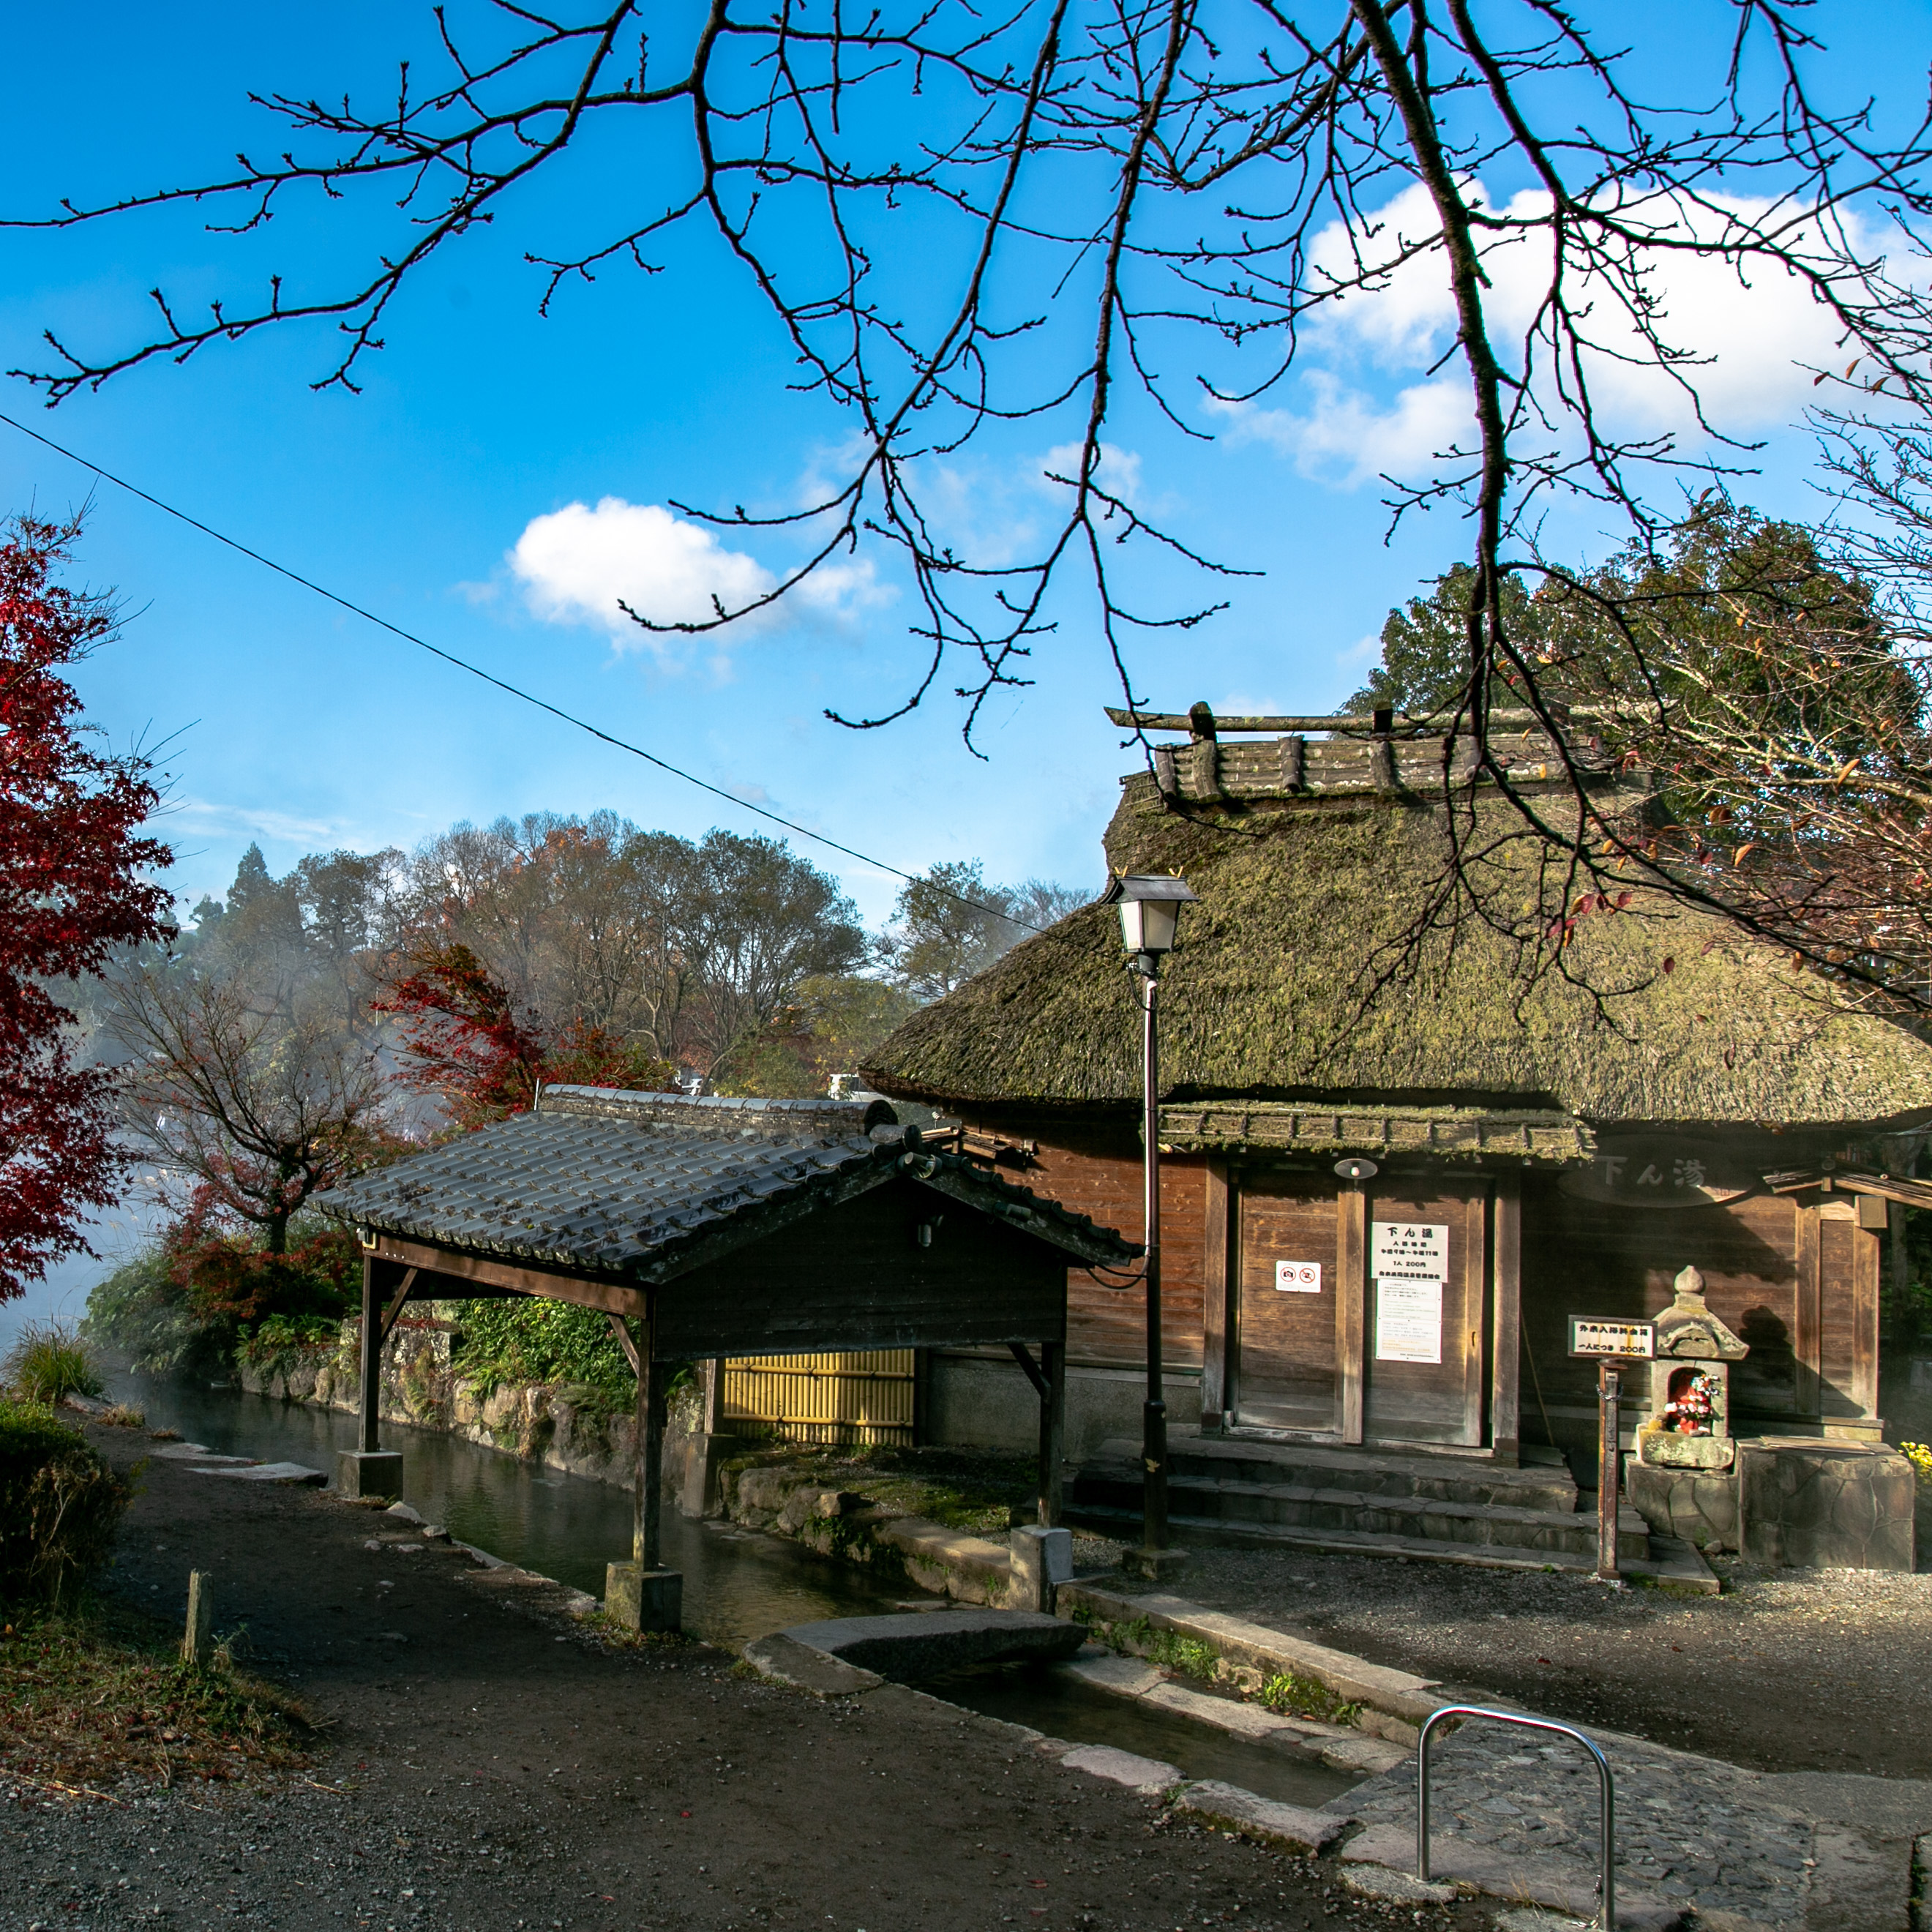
[[831, 1398]]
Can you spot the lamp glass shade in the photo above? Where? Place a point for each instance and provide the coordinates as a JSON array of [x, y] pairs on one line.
[[1147, 925]]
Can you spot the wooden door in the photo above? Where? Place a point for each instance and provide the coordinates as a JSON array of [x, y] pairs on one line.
[[1283, 1348], [1426, 1311]]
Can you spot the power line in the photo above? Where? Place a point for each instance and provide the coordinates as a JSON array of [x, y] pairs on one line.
[[513, 691]]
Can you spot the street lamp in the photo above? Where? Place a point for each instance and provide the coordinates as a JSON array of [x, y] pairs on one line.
[[1150, 908]]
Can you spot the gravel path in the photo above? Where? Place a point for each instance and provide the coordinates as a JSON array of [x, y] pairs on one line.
[[492, 1767], [1788, 1670]]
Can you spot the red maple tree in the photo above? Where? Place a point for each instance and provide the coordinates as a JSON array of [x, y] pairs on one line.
[[466, 1043], [74, 886]]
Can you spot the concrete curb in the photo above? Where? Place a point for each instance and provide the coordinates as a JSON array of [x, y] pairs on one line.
[[1399, 1701]]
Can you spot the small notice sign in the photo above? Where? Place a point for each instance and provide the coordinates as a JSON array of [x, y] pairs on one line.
[[1409, 1320], [1633, 1340], [1409, 1251], [1298, 1277]]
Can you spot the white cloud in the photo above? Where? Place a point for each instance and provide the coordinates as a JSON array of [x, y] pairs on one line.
[[204, 817], [1753, 340], [579, 566], [1345, 438]]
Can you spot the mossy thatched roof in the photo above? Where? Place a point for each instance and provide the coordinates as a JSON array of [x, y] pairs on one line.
[[1265, 996]]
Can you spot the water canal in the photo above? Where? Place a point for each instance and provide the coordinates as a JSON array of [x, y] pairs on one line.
[[738, 1584]]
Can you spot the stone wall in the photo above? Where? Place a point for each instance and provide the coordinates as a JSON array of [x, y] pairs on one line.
[[558, 1424]]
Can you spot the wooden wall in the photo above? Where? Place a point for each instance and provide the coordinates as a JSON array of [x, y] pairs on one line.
[[1796, 1278], [1095, 1169]]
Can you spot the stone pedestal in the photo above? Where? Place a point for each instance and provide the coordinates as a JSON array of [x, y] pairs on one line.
[[1825, 1505], [369, 1472], [1042, 1560], [643, 1600], [1700, 1505], [1156, 1566]]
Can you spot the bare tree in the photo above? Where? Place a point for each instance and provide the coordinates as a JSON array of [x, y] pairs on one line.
[[1140, 197], [250, 1084]]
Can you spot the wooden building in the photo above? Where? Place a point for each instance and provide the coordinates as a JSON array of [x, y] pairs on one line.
[[1572, 1152], [709, 1228]]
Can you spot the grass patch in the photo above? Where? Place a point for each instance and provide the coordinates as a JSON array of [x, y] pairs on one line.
[[49, 1362], [1295, 1696], [123, 1415], [96, 1699]]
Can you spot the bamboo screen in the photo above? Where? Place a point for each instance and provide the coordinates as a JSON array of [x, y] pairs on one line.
[[835, 1398]]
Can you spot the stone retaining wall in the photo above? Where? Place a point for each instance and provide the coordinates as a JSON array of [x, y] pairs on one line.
[[559, 1424]]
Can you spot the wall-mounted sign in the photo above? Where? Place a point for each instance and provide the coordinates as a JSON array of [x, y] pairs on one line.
[[1409, 1251], [1658, 1171], [1409, 1320], [1632, 1340], [1298, 1277]]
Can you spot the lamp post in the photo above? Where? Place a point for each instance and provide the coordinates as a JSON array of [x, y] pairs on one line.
[[1150, 909]]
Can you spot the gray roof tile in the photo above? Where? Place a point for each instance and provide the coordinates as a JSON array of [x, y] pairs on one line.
[[603, 1182]]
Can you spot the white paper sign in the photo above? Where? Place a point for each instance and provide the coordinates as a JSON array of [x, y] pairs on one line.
[[1298, 1277], [1409, 1251], [1409, 1320]]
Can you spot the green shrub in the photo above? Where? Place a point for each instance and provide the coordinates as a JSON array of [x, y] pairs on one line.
[[527, 1340], [49, 1362], [59, 1503]]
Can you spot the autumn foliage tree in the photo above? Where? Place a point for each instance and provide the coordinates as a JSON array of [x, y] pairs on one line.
[[469, 1046], [74, 887]]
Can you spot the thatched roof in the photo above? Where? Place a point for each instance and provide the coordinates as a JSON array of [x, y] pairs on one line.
[[1303, 885]]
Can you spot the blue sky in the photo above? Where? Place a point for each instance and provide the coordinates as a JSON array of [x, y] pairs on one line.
[[290, 723]]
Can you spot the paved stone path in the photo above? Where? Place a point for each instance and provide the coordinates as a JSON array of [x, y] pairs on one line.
[[1516, 1812]]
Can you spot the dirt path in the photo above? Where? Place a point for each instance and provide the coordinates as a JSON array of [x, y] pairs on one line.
[[504, 1771], [1788, 1670]]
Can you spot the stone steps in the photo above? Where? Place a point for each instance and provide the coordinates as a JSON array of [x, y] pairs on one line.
[[1448, 1479], [1668, 1560], [1285, 1508]]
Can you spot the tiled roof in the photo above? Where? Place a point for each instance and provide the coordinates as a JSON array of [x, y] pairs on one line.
[[642, 1186]]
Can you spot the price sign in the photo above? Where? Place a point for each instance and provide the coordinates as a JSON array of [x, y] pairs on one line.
[[1590, 1336]]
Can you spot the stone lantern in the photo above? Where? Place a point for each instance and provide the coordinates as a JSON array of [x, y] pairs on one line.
[[1689, 1426]]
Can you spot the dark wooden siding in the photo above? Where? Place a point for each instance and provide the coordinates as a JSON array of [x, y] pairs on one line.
[[1094, 1168], [855, 1276]]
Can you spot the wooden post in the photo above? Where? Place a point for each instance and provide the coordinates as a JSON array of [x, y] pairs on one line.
[[372, 1355], [1352, 1294], [1052, 1433], [647, 1508], [1865, 1261], [198, 1640], [1609, 1382], [1217, 1295], [1505, 1366], [1808, 1328]]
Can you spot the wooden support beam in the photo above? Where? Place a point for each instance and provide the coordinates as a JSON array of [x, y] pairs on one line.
[[1216, 1315], [1032, 1368], [371, 1362], [624, 1342], [393, 1313], [1351, 1295], [1506, 1317], [1052, 1433], [647, 1510]]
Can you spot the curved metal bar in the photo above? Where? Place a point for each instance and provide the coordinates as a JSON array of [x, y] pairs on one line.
[[1606, 1883]]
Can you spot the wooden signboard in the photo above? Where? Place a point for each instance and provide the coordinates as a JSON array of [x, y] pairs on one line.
[[1626, 1341]]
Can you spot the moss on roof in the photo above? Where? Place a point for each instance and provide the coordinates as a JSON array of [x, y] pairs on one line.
[[1264, 997]]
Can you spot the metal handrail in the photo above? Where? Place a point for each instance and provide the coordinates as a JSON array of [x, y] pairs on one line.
[[1606, 1883]]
